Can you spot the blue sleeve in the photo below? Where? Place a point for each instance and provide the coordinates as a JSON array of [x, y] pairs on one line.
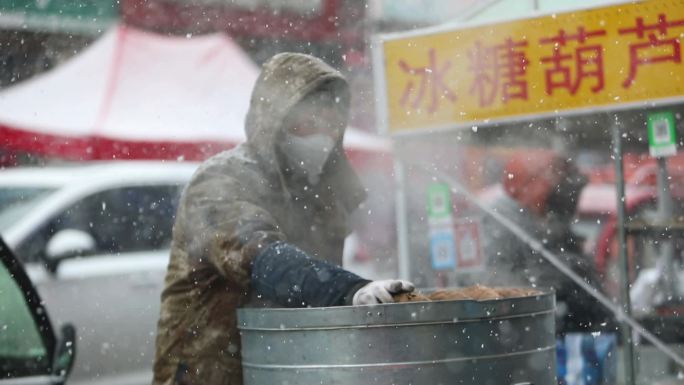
[[286, 275]]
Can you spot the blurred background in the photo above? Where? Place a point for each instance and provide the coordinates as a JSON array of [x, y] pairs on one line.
[[107, 107]]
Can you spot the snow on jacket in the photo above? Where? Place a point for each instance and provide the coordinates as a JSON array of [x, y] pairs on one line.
[[237, 204]]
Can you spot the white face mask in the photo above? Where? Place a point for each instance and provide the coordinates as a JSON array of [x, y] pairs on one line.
[[307, 154]]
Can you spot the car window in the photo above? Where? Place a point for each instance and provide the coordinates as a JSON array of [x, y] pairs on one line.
[[22, 350], [120, 220], [15, 202], [134, 218]]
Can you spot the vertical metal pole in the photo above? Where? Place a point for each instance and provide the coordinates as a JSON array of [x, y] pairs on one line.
[[381, 116], [665, 204], [665, 215], [628, 343], [402, 219]]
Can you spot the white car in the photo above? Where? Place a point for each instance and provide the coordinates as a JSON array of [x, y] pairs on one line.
[[95, 241]]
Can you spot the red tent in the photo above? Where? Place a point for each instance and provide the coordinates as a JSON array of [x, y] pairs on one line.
[[138, 95]]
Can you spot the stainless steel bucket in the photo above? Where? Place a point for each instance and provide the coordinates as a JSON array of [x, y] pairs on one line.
[[498, 342]]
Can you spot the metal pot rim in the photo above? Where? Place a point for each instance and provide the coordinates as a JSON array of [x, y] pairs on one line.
[[394, 314]]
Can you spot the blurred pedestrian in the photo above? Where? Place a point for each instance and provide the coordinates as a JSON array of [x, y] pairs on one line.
[[264, 225], [542, 190]]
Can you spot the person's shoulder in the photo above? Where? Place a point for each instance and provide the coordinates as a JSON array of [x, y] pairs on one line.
[[239, 156], [230, 163], [235, 172]]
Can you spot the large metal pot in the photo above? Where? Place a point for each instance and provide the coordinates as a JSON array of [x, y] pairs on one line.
[[498, 342]]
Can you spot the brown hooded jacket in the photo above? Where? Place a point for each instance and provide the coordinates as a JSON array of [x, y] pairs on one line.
[[237, 203]]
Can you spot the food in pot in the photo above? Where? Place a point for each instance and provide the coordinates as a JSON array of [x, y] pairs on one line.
[[476, 292]]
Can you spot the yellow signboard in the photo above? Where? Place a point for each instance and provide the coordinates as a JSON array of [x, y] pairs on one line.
[[585, 59]]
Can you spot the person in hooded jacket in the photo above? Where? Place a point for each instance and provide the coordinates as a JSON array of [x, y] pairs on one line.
[[542, 191], [263, 225]]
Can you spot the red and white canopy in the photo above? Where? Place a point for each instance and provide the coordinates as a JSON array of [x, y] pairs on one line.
[[137, 95]]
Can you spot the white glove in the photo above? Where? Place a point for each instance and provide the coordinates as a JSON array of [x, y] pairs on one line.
[[381, 291]]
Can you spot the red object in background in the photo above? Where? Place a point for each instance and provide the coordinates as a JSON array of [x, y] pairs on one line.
[[639, 169], [599, 199], [468, 243], [529, 178], [100, 148], [324, 24]]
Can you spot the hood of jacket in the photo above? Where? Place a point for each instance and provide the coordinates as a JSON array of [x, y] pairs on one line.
[[285, 80]]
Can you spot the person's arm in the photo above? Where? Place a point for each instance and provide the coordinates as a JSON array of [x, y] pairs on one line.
[[243, 241], [288, 276]]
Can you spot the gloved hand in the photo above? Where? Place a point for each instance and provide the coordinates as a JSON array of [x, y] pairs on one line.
[[381, 291]]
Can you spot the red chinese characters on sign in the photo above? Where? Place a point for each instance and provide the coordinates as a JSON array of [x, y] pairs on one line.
[[568, 70], [499, 70], [654, 46], [431, 82], [573, 61]]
